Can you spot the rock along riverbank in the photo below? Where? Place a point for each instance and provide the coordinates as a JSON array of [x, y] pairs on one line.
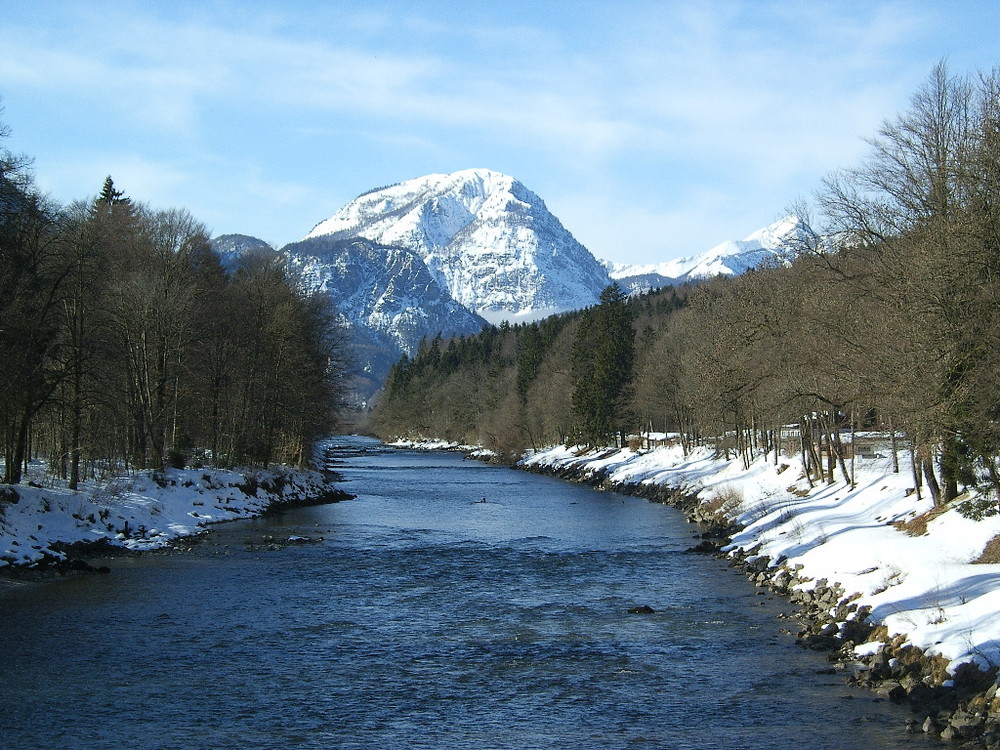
[[885, 584]]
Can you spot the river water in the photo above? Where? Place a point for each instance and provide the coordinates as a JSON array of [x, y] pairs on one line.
[[452, 604]]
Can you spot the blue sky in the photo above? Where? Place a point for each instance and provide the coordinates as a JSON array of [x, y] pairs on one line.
[[653, 130]]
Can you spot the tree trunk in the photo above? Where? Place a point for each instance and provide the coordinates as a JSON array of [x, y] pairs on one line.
[[837, 452], [16, 467], [75, 427], [950, 462], [806, 457], [927, 464], [895, 448], [915, 468], [854, 451]]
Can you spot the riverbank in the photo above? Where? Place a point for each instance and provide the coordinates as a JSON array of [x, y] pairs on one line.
[[904, 594], [46, 525]]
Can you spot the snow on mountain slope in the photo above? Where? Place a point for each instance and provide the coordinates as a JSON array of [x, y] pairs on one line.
[[386, 298], [774, 243], [386, 288], [487, 239]]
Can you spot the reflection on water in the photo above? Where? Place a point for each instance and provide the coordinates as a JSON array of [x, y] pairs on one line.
[[450, 605]]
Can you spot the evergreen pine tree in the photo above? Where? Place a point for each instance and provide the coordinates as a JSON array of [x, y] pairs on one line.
[[110, 196], [603, 355]]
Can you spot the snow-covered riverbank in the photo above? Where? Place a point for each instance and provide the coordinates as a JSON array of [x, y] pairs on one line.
[[142, 511], [913, 567]]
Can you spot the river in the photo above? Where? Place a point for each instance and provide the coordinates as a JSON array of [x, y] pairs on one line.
[[452, 604]]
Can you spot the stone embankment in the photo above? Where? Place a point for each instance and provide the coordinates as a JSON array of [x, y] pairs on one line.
[[962, 708]]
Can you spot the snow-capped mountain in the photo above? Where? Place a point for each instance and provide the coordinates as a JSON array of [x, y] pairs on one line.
[[484, 237], [772, 244], [445, 253]]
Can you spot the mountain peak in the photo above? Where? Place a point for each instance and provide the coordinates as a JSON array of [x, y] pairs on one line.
[[484, 236], [380, 204], [730, 258], [777, 232]]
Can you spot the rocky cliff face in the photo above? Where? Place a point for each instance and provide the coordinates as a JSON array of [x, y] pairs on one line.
[[386, 297], [385, 288]]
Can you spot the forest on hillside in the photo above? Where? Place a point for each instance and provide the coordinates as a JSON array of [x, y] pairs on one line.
[[125, 344], [887, 320]]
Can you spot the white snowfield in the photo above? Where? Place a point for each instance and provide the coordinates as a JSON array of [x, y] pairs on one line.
[[923, 587], [140, 512]]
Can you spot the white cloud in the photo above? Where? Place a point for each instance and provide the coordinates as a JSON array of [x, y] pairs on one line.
[[638, 123], [147, 180]]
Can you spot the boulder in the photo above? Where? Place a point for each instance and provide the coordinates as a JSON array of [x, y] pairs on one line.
[[965, 725], [892, 690]]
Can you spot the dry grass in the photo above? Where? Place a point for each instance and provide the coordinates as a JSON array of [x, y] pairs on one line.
[[723, 505], [918, 526], [879, 633], [991, 552]]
